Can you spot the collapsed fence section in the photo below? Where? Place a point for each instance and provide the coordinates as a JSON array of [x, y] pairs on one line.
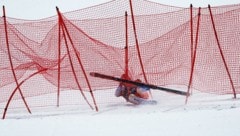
[[194, 47]]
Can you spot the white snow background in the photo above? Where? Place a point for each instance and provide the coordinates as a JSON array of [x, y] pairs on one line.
[[204, 115]]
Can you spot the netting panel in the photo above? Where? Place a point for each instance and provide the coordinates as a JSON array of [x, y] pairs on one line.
[[97, 37]]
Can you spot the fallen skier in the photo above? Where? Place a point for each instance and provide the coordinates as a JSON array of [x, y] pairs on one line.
[[133, 93]]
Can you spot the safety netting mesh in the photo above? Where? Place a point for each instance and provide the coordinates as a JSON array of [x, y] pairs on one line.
[[178, 46]]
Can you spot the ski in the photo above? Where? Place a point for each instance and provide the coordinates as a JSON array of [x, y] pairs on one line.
[[94, 74]]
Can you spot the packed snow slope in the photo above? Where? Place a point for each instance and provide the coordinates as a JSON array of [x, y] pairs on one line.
[[204, 114]]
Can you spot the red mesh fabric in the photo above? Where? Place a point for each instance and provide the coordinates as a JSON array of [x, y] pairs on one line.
[[97, 37]]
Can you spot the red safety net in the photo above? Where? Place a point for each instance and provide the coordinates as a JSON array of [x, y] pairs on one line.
[[193, 47]]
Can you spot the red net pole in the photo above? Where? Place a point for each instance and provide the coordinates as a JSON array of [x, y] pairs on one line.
[[70, 60], [17, 88], [191, 27], [191, 38], [59, 61], [137, 45], [194, 54], [79, 60], [11, 63], [126, 47], [221, 52], [136, 40], [82, 67]]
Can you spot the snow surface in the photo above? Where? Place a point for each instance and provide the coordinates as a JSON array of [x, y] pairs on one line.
[[203, 115]]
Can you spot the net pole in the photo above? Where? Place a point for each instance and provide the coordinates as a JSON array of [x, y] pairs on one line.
[[191, 27], [137, 45], [15, 90], [59, 65], [192, 46], [11, 63], [136, 41], [82, 67], [126, 46], [194, 55], [64, 28], [221, 52], [73, 70], [69, 56]]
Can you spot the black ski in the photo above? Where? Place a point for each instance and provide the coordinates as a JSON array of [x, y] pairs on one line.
[[94, 74]]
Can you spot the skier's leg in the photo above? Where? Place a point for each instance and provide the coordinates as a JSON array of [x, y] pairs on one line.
[[118, 91], [134, 99], [137, 100]]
